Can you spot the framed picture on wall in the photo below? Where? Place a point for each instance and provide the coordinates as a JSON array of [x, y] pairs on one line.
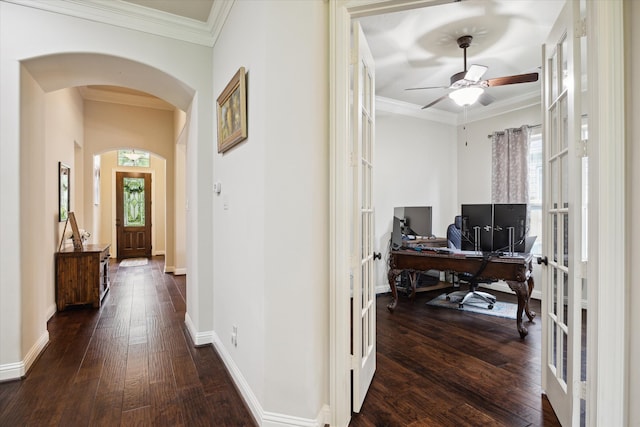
[[232, 112], [64, 184]]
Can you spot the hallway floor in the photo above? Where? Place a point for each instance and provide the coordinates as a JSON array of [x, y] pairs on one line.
[[131, 362]]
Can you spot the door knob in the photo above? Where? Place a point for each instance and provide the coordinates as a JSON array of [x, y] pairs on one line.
[[542, 260], [377, 255]]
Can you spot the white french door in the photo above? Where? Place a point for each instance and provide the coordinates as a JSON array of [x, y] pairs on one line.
[[364, 295], [562, 220]]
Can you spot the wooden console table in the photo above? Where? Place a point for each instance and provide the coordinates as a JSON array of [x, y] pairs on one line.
[[82, 276], [515, 270]]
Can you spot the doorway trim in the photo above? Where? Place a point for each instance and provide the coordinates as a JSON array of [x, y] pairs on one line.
[[606, 107], [607, 335]]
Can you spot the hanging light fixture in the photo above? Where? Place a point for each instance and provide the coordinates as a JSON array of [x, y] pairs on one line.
[[466, 95], [133, 156]]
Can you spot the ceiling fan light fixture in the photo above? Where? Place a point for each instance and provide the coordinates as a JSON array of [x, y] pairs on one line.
[[466, 96]]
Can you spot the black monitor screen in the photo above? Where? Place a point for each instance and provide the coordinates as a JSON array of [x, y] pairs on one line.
[[417, 220], [477, 222], [505, 217], [396, 234]]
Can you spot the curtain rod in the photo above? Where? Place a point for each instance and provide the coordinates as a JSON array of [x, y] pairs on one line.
[[515, 130]]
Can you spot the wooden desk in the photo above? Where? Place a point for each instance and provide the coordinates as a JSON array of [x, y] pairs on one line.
[[434, 242], [82, 277], [515, 270]]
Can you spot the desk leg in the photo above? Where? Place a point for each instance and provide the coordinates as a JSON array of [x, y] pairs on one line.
[[394, 291], [523, 291], [413, 280]]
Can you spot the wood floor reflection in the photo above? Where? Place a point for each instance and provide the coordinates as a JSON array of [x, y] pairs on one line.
[[443, 367], [130, 362]]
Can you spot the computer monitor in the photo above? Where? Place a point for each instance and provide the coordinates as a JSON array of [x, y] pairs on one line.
[[477, 228], [396, 234], [416, 220], [509, 218]]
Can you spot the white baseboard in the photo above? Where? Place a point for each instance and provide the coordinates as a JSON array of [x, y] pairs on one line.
[[51, 311], [503, 287], [496, 286], [35, 350], [264, 419], [198, 338], [14, 371], [174, 270], [158, 253], [383, 289]]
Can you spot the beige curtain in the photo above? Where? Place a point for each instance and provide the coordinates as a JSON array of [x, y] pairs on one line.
[[510, 149]]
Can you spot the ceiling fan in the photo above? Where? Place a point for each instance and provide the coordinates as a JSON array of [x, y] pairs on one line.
[[467, 86]]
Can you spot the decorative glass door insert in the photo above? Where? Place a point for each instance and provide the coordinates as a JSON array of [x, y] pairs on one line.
[[134, 212]]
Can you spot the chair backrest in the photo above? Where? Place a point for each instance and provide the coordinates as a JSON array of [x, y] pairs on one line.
[[454, 233]]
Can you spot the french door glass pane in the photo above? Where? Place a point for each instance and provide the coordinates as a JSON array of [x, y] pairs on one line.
[[565, 291], [554, 293]]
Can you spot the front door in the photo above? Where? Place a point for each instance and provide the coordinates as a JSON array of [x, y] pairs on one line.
[[133, 214], [364, 293], [562, 277]]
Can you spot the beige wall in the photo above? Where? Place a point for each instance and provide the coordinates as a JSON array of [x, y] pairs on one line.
[[111, 126], [107, 207], [33, 224]]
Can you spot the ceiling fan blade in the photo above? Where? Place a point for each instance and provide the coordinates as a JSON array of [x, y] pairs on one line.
[[509, 80], [475, 72], [485, 99], [427, 87], [436, 101]]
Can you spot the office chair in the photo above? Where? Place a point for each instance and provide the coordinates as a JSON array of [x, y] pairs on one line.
[[454, 237]]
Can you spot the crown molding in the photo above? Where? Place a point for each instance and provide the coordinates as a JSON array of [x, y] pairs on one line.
[[219, 13], [514, 103], [140, 18], [389, 105], [393, 106]]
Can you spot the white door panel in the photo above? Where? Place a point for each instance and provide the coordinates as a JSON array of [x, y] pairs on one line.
[[364, 295], [562, 281]]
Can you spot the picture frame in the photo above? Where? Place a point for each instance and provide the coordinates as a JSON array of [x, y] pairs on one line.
[[77, 238], [232, 112], [64, 191]]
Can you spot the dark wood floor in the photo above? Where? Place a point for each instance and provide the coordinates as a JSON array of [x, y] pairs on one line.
[[129, 363], [132, 363], [443, 367]]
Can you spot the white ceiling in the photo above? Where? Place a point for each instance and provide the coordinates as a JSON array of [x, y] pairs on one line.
[[418, 48], [193, 9]]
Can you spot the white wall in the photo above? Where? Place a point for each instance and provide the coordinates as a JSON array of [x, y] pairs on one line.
[[632, 12], [270, 221], [415, 165], [474, 151]]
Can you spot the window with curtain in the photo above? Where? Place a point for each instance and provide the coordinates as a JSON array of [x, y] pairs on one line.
[[510, 172], [535, 188], [517, 174]]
